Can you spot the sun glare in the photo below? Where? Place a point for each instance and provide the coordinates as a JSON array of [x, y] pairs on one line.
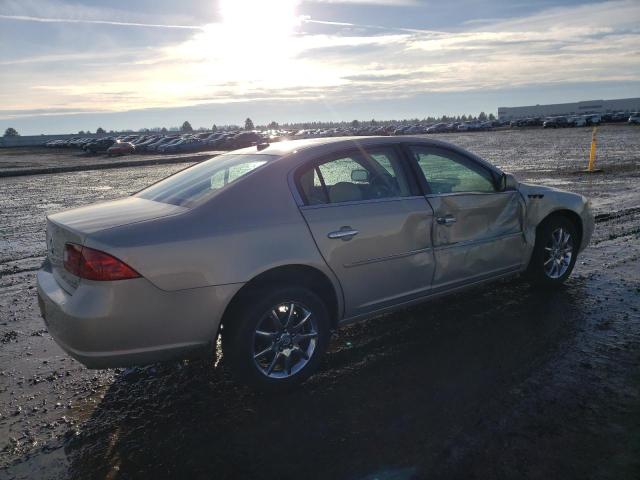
[[254, 50], [253, 43], [271, 18]]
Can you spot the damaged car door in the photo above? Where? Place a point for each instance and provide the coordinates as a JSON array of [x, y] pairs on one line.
[[372, 226], [478, 225]]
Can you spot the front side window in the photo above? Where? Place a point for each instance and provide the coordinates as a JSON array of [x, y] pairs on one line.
[[355, 177], [196, 184], [447, 172]]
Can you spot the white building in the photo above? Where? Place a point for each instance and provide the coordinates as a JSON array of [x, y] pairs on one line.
[[578, 108]]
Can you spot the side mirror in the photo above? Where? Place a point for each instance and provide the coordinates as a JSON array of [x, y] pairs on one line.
[[359, 175], [508, 182]]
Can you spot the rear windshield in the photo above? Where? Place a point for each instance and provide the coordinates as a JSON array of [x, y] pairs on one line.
[[196, 184]]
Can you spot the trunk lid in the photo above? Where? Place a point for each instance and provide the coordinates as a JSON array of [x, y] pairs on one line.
[[73, 226]]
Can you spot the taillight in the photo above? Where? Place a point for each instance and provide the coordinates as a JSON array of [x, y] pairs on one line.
[[85, 262]]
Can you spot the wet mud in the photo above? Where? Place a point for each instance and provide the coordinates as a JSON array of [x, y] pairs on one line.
[[503, 382]]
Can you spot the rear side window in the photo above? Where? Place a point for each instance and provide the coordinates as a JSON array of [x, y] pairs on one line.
[[196, 184], [356, 176], [448, 172]]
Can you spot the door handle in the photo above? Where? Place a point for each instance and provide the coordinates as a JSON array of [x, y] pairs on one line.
[[448, 220], [345, 233]]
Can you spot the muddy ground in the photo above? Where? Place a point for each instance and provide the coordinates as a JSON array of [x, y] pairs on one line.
[[509, 383]]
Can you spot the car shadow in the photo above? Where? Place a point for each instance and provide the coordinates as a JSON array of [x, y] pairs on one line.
[[388, 402]]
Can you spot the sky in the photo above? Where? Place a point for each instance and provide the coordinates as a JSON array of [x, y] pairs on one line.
[[77, 65]]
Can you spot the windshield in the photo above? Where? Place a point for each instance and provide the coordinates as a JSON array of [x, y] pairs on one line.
[[199, 182]]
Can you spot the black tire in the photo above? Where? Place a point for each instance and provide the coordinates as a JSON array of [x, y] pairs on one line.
[[251, 311], [538, 270]]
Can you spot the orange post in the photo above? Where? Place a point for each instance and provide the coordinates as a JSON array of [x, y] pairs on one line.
[[592, 153]]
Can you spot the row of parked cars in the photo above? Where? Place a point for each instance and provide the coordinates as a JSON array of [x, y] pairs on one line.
[[410, 129], [160, 143], [231, 140], [563, 121]]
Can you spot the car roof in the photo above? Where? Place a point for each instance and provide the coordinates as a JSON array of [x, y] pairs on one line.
[[335, 143], [322, 146]]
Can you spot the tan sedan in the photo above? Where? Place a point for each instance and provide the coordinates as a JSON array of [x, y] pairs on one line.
[[275, 246]]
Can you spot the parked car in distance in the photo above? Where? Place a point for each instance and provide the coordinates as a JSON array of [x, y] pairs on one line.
[[593, 119], [280, 244], [438, 128], [185, 145], [142, 146], [221, 141], [527, 122], [155, 146], [468, 126], [174, 141], [577, 121], [120, 148], [555, 122], [244, 139], [634, 118], [170, 146], [619, 117], [99, 145]]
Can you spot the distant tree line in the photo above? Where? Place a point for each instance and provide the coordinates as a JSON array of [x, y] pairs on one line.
[[481, 117]]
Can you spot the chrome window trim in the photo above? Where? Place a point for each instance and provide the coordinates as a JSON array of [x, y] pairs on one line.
[[360, 202], [456, 194], [388, 257]]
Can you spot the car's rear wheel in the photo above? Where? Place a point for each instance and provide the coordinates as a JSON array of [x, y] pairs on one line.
[[554, 254], [275, 338]]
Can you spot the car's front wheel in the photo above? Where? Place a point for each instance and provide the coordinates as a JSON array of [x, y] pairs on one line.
[[275, 338], [555, 252]]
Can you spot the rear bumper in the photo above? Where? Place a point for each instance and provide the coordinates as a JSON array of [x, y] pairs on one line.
[[130, 322]]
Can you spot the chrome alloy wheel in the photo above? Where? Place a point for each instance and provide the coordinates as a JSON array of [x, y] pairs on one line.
[[558, 253], [284, 340]]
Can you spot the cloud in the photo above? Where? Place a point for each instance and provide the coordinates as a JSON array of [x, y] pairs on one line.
[[386, 77], [25, 18], [361, 26], [77, 58], [40, 112]]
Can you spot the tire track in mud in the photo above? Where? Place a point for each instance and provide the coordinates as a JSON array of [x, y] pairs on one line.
[[604, 217]]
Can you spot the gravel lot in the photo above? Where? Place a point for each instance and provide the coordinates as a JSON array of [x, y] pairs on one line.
[[509, 383]]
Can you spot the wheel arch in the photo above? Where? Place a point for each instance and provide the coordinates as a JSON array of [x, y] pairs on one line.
[[570, 215], [293, 274]]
